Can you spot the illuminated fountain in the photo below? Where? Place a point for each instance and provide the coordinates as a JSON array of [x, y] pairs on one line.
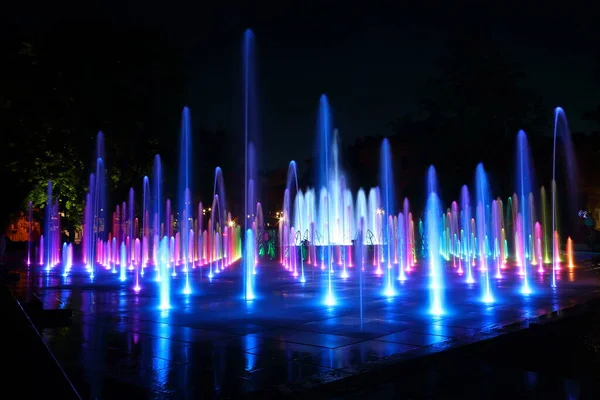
[[341, 237], [561, 128], [523, 226], [29, 228], [50, 241], [434, 257], [466, 241], [95, 209], [145, 239], [481, 237], [286, 237], [483, 233], [186, 231], [389, 236], [249, 264], [67, 258]]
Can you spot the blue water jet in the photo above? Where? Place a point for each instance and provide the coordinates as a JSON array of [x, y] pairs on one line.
[[249, 261], [524, 174], [482, 197], [250, 121], [292, 178], [219, 205], [433, 234], [163, 268], [65, 259], [251, 134], [388, 203], [561, 128], [97, 206], [324, 133], [402, 248], [467, 243], [162, 263], [185, 201], [123, 263]]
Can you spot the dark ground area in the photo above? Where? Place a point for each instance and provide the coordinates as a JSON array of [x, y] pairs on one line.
[[554, 359], [28, 369]]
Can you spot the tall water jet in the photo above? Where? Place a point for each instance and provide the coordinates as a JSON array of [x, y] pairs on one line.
[[250, 133], [482, 200], [359, 252], [523, 219], [250, 123], [29, 228], [123, 263], [561, 127], [433, 234], [401, 247], [67, 258], [388, 207], [292, 179], [165, 280], [546, 226], [249, 260], [324, 132], [131, 228], [185, 201], [570, 253], [157, 205], [48, 228], [219, 205], [95, 208], [138, 264], [466, 240], [145, 233]]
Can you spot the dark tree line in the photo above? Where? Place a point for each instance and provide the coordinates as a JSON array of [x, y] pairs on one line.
[[469, 112], [60, 87]]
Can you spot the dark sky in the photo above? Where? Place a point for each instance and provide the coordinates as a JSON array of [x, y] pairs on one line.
[[369, 57]]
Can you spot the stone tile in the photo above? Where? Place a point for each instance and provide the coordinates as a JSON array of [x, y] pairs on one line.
[[413, 338], [307, 338]]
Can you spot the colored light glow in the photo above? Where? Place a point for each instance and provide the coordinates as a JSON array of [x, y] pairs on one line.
[[475, 236], [570, 253]]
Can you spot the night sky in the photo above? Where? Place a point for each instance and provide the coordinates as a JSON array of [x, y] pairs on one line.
[[370, 59]]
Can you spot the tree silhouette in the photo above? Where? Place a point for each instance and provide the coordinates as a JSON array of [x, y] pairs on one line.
[[476, 102], [593, 115], [62, 86]]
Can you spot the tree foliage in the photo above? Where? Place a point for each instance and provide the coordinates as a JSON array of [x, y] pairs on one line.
[[593, 115], [477, 100], [65, 172], [62, 86], [480, 91]]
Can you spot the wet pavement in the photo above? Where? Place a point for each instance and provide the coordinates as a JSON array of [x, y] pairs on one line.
[[554, 358], [213, 344], [24, 356]]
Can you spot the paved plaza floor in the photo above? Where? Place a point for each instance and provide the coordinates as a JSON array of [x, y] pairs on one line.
[[214, 344]]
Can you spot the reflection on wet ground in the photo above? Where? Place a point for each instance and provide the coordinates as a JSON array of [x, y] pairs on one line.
[[554, 360], [212, 344]]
